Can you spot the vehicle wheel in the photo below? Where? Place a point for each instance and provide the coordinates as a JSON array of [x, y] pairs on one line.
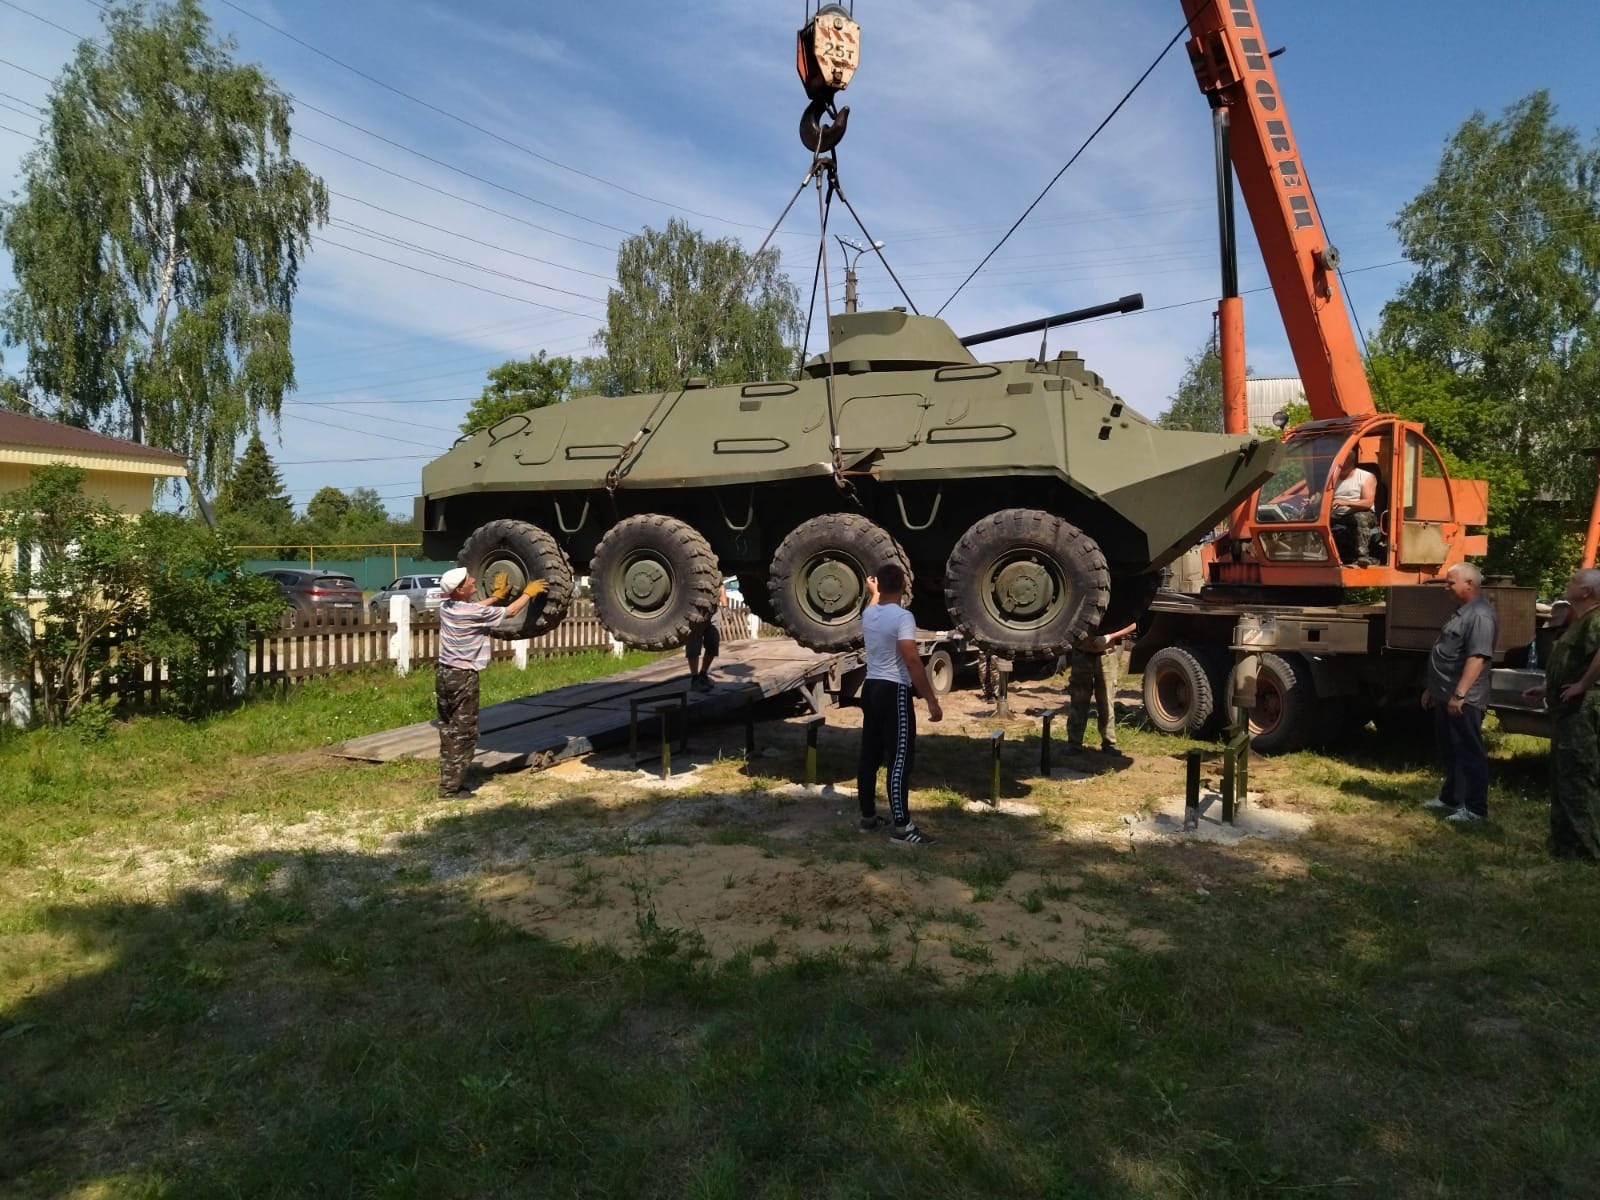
[[655, 579], [753, 587], [525, 553], [941, 670], [818, 582], [1183, 690], [1286, 714], [1023, 581]]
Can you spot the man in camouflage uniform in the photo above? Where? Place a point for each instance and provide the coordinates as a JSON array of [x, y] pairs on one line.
[[463, 652], [1093, 665], [1574, 702]]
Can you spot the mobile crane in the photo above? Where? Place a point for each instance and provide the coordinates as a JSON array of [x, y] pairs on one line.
[[1277, 582]]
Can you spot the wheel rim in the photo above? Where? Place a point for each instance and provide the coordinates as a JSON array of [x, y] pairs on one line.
[[831, 587], [940, 672], [1268, 710], [516, 573], [1173, 695], [1026, 589], [645, 583]]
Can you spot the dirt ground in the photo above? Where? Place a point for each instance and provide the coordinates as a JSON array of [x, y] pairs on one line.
[[720, 860]]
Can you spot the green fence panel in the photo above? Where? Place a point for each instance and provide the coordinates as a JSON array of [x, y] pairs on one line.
[[371, 573]]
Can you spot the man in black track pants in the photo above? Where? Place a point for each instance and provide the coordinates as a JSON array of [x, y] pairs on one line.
[[888, 716]]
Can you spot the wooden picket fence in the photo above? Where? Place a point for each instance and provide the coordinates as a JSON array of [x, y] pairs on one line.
[[279, 658]]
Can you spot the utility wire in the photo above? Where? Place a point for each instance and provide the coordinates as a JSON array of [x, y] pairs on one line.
[[323, 241], [452, 195], [306, 104], [1076, 154], [389, 212], [473, 125]]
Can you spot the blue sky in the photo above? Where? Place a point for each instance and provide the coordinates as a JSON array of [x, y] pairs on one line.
[[615, 114]]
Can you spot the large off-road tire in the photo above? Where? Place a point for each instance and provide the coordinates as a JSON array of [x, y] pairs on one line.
[[1184, 688], [655, 580], [818, 579], [1286, 713], [1023, 581], [525, 553]]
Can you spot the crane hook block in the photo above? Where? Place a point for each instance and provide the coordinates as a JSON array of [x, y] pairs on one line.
[[827, 52]]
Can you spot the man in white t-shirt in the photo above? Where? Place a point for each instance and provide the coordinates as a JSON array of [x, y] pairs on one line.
[[888, 716], [1353, 519]]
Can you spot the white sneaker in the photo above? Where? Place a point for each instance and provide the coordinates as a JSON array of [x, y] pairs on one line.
[[1437, 804], [1464, 816]]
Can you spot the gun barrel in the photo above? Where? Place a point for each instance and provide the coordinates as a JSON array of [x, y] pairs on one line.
[[1127, 304]]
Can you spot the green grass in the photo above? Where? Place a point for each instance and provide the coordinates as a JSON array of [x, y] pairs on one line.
[[1409, 1014]]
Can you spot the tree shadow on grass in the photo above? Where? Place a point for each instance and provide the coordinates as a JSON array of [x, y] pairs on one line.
[[351, 1023]]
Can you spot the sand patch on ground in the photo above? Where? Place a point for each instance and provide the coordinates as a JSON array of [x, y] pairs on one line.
[[723, 900]]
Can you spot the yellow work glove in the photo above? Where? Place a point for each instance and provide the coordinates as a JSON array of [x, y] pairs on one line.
[[536, 588], [502, 585]]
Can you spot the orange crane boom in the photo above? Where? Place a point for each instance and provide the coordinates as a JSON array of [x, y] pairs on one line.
[[1234, 70]]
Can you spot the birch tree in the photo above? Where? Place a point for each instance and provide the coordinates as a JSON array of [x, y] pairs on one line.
[[158, 240]]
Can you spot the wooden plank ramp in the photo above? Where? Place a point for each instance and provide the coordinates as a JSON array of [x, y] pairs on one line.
[[537, 731]]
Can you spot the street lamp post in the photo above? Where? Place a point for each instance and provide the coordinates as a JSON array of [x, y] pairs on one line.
[[850, 268]]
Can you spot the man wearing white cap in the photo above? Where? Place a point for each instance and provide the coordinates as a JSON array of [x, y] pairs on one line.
[[464, 651]]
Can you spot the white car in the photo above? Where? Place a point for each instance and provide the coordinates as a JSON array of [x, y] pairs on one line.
[[423, 591]]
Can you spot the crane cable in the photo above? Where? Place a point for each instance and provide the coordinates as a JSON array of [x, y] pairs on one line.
[[1076, 155]]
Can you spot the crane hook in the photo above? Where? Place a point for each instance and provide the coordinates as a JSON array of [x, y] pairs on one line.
[[820, 138]]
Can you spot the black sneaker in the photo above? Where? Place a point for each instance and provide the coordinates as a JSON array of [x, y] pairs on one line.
[[1111, 749], [873, 823], [1071, 748], [909, 835]]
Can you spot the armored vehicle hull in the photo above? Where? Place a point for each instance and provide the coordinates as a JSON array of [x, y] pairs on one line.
[[1027, 503]]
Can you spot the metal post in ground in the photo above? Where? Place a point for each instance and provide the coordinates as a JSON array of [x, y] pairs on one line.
[[995, 740], [1191, 791], [813, 728]]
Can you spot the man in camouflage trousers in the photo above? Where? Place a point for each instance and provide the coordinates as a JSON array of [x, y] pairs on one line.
[[1093, 665], [463, 652], [1574, 703]]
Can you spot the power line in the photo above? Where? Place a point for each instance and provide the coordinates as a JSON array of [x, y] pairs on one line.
[[468, 238], [400, 243], [1075, 156], [449, 166], [388, 437], [452, 195], [450, 279], [369, 133], [473, 125]]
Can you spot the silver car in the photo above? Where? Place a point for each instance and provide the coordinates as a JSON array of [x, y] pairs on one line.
[[423, 591]]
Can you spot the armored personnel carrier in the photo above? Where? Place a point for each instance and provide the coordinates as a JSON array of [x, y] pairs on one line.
[[1027, 503]]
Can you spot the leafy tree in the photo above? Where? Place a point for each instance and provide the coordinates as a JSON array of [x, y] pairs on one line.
[[74, 556], [159, 237], [1496, 337], [1197, 404], [328, 507], [85, 572], [666, 321], [252, 507], [518, 385], [198, 607]]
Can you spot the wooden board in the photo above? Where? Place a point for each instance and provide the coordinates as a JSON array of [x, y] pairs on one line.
[[538, 730]]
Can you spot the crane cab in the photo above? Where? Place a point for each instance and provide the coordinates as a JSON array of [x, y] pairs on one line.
[[1310, 525]]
